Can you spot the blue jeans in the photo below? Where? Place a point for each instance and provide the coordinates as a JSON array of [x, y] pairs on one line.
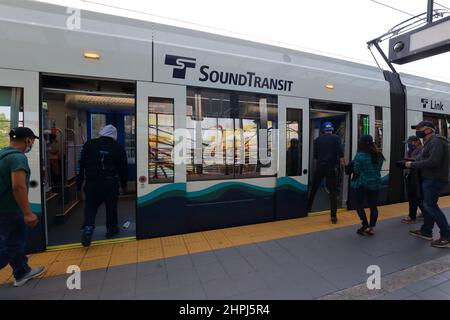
[[13, 233], [431, 189], [372, 197]]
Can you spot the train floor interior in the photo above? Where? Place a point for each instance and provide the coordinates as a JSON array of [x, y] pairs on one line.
[[69, 231]]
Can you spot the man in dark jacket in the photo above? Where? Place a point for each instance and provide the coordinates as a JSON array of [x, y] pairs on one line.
[[433, 165], [329, 156], [104, 163]]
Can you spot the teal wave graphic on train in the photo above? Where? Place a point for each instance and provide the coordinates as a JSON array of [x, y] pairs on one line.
[[216, 191]]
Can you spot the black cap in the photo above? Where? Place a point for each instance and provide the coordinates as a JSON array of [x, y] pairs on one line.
[[22, 132], [424, 124], [411, 139], [366, 138]]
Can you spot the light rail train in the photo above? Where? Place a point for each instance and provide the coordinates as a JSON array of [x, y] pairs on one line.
[[241, 104]]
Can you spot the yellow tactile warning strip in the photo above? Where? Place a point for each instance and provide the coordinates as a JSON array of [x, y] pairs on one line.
[[101, 256]]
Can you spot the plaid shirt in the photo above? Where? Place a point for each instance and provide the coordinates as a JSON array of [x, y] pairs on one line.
[[369, 174]]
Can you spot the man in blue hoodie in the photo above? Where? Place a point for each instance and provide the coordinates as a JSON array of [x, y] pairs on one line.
[[433, 165]]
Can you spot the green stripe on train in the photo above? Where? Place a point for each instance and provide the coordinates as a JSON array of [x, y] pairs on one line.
[[288, 183]]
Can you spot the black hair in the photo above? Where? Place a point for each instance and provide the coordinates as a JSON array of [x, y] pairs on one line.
[[370, 148]]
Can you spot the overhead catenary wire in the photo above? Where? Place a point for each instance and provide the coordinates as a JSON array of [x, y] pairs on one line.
[[442, 6], [391, 7]]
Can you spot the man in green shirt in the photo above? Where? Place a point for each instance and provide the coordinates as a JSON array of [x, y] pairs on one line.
[[15, 212]]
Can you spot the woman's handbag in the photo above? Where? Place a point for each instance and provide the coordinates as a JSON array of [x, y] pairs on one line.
[[349, 168]]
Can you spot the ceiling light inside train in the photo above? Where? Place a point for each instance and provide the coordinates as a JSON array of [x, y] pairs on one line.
[[329, 86], [92, 55]]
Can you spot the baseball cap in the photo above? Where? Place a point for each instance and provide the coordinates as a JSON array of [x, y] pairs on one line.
[[411, 139], [327, 126], [22, 132], [424, 124]]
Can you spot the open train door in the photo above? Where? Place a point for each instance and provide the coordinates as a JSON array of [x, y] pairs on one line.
[[19, 106], [292, 179]]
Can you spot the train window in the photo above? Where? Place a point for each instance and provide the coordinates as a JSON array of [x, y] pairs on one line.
[[98, 121], [227, 130], [129, 125], [294, 140], [379, 128], [257, 120], [160, 140], [439, 121], [210, 124], [447, 121], [11, 112], [363, 125]]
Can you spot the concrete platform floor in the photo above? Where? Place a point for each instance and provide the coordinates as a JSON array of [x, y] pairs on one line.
[[306, 258]]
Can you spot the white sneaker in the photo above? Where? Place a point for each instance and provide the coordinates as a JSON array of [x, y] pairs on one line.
[[34, 273]]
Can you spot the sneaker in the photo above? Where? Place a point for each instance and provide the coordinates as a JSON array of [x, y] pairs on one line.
[[409, 221], [33, 273], [112, 232], [370, 231], [362, 231], [334, 220], [440, 243], [86, 236], [419, 234]]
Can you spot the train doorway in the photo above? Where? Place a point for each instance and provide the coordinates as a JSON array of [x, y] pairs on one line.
[[73, 112], [340, 116]]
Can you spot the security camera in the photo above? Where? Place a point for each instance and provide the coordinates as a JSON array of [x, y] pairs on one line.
[[399, 46]]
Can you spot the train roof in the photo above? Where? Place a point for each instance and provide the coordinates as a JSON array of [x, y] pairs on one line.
[[101, 24], [410, 80], [39, 13]]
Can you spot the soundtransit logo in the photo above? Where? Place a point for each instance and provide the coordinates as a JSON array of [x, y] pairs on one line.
[[208, 74], [180, 65]]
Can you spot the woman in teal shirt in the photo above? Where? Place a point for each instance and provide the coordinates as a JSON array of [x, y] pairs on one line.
[[366, 182]]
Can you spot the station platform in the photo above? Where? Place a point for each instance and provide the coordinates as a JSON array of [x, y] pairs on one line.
[[306, 258]]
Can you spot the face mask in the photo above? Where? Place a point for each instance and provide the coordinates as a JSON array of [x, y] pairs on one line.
[[411, 146], [28, 149], [420, 134]]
